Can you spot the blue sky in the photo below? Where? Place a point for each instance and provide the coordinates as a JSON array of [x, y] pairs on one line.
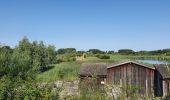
[[85, 24]]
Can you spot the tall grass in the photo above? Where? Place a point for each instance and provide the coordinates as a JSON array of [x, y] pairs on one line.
[[62, 71]]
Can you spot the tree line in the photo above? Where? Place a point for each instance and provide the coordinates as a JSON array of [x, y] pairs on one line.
[[165, 52]]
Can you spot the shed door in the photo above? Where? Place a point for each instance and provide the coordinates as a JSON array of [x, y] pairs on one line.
[[158, 84]]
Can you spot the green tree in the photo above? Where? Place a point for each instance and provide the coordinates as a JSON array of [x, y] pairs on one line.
[[80, 53], [126, 51], [5, 58], [19, 67], [21, 61], [110, 52], [66, 50], [95, 51], [51, 54]]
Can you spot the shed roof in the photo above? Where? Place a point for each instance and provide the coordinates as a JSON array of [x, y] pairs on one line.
[[127, 62], [163, 70], [90, 69]]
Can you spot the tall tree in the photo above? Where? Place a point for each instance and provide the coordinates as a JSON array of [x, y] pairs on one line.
[[51, 54], [5, 59]]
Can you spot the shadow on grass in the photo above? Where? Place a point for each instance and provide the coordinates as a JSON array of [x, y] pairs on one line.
[[46, 68]]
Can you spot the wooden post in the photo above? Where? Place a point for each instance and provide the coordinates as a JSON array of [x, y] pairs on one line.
[[146, 87], [121, 83], [164, 89], [169, 86], [152, 83]]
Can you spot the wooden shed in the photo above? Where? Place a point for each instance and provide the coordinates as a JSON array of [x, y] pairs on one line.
[[97, 70], [162, 80], [151, 80], [132, 74]]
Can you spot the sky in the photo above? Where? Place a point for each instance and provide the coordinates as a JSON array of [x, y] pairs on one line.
[[86, 24]]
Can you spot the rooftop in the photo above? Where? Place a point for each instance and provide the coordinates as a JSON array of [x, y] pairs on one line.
[[163, 70], [90, 69], [126, 62], [100, 69]]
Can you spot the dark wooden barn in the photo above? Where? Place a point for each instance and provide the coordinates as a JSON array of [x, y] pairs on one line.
[[96, 70], [132, 74], [162, 80]]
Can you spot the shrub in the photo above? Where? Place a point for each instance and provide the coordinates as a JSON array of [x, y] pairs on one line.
[[66, 58], [102, 56], [90, 90], [167, 97], [46, 68]]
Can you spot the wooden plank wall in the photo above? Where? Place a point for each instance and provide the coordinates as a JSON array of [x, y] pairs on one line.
[[166, 87], [133, 75]]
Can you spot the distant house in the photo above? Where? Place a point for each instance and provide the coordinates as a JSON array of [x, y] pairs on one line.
[[162, 80], [122, 73]]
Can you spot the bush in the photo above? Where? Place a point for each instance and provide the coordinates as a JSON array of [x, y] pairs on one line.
[[33, 92], [103, 56], [167, 97], [46, 68], [66, 58], [6, 88], [90, 90]]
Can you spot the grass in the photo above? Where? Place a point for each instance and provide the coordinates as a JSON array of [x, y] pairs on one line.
[[97, 60], [119, 57], [66, 71]]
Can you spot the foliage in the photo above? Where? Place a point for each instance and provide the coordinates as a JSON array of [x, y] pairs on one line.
[[165, 52], [103, 56], [32, 91], [91, 90], [95, 51], [6, 88], [66, 58], [129, 92], [80, 53], [64, 71], [19, 67], [51, 54], [167, 97], [66, 55], [125, 51], [5, 58], [66, 50], [110, 52]]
